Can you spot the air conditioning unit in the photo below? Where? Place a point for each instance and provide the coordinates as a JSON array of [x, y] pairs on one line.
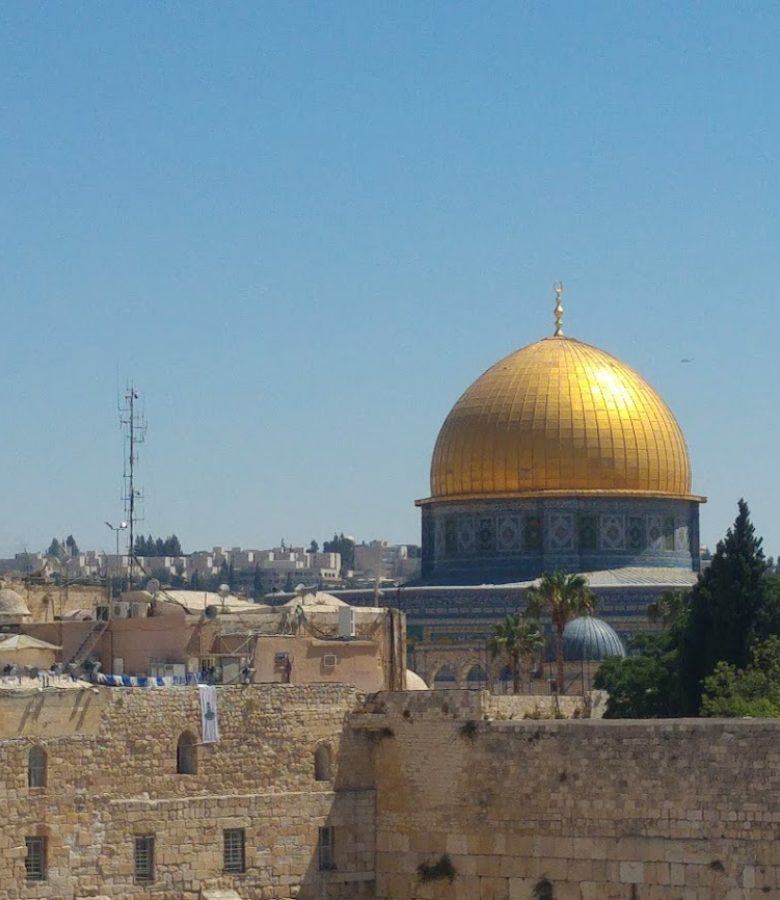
[[120, 609], [329, 661], [346, 622]]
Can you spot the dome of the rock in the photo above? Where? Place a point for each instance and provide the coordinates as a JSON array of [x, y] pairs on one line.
[[558, 457], [560, 416]]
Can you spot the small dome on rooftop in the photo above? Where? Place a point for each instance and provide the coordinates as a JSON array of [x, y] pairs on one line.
[[12, 604], [414, 682], [588, 638], [316, 598]]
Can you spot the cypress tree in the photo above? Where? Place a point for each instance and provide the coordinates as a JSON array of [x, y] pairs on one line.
[[725, 605]]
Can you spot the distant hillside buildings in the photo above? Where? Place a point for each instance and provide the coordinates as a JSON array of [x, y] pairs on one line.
[[255, 572]]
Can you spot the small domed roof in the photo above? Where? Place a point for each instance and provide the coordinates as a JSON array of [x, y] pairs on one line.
[[316, 599], [414, 682], [12, 604], [588, 638]]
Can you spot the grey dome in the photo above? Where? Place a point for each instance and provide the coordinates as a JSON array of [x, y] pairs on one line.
[[589, 638]]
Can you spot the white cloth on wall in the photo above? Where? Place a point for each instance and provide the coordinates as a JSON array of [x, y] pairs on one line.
[[209, 726]]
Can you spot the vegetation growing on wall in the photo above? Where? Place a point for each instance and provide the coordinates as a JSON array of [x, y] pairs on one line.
[[442, 868]]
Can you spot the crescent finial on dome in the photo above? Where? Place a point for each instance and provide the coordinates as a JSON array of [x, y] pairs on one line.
[[558, 288]]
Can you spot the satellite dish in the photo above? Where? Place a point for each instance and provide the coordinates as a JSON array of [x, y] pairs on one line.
[[152, 585], [224, 590], [211, 611]]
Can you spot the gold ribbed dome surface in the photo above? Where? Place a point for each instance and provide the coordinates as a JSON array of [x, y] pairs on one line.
[[560, 416]]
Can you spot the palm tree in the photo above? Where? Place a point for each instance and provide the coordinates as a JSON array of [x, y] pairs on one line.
[[517, 640], [564, 597]]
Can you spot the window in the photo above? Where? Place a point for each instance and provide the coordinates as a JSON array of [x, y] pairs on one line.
[[322, 763], [233, 857], [186, 755], [325, 848], [35, 861], [36, 768], [143, 857]]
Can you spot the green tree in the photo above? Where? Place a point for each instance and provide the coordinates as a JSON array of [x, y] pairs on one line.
[[563, 597], [754, 691], [517, 640], [725, 606], [71, 546], [314, 547], [346, 547], [55, 549], [644, 685]]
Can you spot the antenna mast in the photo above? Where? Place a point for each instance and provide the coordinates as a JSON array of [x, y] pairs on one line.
[[134, 426]]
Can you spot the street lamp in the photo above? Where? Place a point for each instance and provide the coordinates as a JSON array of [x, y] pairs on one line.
[[116, 529]]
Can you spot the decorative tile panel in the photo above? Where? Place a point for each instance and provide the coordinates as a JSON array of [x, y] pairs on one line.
[[509, 533], [466, 535], [486, 534], [588, 533], [681, 539], [613, 532], [560, 531], [533, 533], [668, 532], [636, 533], [438, 537], [655, 534], [450, 541]]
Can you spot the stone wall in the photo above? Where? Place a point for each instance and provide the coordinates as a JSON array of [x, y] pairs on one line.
[[581, 809], [112, 776], [657, 810]]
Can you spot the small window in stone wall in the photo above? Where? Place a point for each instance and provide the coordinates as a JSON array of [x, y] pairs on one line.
[[186, 755], [326, 848], [322, 763], [143, 857], [233, 850], [35, 861], [37, 766]]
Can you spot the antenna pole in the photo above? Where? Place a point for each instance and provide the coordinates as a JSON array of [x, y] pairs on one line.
[[135, 432]]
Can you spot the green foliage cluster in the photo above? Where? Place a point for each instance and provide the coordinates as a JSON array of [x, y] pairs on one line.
[[563, 597], [442, 868], [518, 641], [63, 549], [346, 547], [753, 691], [150, 546], [719, 654]]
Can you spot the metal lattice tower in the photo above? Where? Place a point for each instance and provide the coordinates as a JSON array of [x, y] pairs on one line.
[[134, 427]]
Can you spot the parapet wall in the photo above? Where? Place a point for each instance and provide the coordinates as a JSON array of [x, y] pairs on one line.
[[652, 810], [112, 776]]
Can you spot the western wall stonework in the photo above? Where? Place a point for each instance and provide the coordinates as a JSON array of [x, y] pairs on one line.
[[518, 805], [571, 809], [112, 775]]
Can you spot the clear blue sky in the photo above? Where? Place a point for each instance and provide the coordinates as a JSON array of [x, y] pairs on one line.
[[304, 229]]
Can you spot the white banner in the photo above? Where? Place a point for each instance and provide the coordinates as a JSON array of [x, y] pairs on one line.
[[209, 726]]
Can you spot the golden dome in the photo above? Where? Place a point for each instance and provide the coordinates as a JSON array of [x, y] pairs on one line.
[[559, 416]]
